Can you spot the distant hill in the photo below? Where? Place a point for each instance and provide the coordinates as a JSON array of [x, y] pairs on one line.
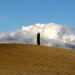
[[21, 59]]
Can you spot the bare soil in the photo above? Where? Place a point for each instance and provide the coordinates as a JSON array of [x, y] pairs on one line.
[[21, 59]]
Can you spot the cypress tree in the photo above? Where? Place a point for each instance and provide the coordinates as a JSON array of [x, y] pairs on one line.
[[38, 38]]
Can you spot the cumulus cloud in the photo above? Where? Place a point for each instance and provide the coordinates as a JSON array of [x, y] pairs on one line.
[[51, 35]]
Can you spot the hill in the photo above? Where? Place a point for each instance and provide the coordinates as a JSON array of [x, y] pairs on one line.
[[21, 59]]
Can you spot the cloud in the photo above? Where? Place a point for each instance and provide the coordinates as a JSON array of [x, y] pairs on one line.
[[51, 35]]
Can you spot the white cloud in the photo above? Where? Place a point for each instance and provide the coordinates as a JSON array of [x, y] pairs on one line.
[[51, 35]]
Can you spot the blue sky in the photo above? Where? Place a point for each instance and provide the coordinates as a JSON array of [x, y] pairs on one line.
[[17, 13]]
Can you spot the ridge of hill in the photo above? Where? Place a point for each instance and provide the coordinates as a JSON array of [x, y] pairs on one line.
[[21, 59]]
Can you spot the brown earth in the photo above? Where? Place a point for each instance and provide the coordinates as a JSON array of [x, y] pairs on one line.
[[20, 59]]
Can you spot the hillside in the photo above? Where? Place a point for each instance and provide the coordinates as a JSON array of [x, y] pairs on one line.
[[20, 59]]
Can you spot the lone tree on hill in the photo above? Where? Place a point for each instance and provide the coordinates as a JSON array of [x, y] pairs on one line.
[[38, 38]]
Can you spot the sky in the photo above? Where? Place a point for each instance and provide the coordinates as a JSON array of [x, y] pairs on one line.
[[17, 13]]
